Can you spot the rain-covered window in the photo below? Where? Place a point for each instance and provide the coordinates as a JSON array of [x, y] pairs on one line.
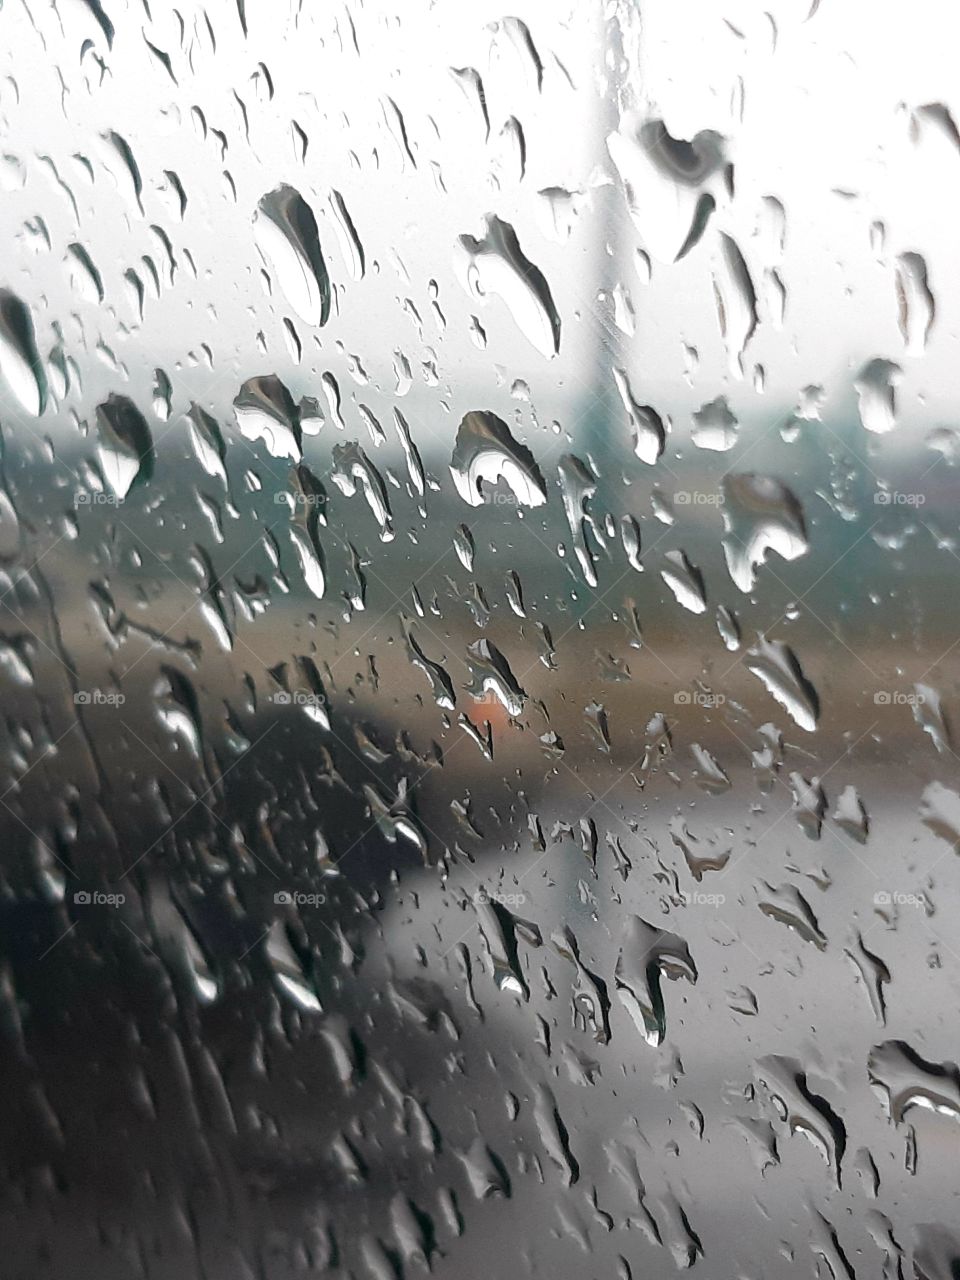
[[479, 551]]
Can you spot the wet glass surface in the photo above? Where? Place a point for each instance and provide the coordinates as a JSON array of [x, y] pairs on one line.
[[478, 535]]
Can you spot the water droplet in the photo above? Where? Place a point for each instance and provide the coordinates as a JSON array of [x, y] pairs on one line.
[[671, 185], [736, 301], [486, 452], [876, 386], [20, 363], [915, 302], [649, 433], [496, 264], [265, 410], [287, 236], [125, 451], [714, 426], [647, 954], [760, 514], [776, 665], [685, 581]]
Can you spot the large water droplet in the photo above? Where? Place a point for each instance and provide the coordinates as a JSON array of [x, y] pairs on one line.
[[486, 452], [287, 235], [760, 514], [20, 363], [496, 264]]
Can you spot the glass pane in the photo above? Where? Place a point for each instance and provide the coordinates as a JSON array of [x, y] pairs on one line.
[[477, 534]]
